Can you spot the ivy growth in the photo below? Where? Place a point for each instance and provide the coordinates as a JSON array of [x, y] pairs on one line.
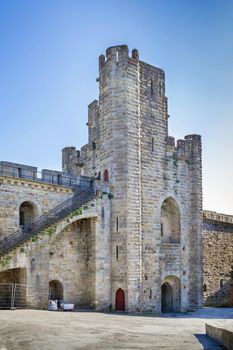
[[5, 260]]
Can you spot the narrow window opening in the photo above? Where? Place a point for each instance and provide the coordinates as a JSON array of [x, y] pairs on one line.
[[151, 87], [152, 144], [161, 227], [117, 252], [117, 223], [221, 283], [117, 57], [150, 296], [160, 88], [93, 145], [204, 287], [106, 175]]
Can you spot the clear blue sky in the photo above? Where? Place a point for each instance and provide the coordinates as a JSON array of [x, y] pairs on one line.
[[49, 63]]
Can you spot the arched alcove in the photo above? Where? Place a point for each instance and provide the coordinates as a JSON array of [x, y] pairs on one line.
[[55, 290], [171, 294], [170, 221], [27, 213], [120, 300]]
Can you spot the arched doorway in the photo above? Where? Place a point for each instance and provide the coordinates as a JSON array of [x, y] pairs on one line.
[[170, 221], [27, 214], [167, 299], [120, 300], [171, 294], [55, 290]]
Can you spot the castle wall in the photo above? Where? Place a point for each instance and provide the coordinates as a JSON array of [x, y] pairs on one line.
[[218, 259], [129, 128], [15, 191], [75, 252], [129, 148]]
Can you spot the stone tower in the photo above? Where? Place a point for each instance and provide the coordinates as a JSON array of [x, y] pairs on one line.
[[156, 208]]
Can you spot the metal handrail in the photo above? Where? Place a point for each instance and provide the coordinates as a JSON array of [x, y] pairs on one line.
[[46, 220], [46, 177]]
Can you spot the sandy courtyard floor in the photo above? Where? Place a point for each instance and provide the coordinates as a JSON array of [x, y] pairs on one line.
[[44, 330]]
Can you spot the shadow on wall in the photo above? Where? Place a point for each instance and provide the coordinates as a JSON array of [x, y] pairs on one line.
[[221, 298]]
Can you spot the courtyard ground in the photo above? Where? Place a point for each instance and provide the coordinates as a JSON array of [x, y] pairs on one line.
[[44, 330]]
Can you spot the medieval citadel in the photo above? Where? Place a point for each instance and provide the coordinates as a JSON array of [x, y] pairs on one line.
[[122, 226]]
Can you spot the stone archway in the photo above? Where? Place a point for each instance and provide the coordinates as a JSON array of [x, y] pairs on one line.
[[27, 213], [171, 294], [72, 261], [55, 290], [170, 221]]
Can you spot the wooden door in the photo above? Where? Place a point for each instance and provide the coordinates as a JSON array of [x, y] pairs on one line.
[[120, 300]]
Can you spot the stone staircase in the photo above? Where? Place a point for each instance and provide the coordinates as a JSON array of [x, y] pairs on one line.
[[47, 220]]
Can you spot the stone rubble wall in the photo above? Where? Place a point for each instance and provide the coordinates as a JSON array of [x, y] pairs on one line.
[[218, 259], [16, 191], [75, 252]]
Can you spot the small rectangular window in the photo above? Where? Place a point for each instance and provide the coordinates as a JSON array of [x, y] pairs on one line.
[[117, 253], [152, 144], [161, 227], [151, 87], [117, 227], [150, 296]]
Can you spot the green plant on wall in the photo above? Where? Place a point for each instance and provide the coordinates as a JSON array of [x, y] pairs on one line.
[[5, 260]]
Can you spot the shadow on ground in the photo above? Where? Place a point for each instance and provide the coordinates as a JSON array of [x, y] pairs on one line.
[[207, 342]]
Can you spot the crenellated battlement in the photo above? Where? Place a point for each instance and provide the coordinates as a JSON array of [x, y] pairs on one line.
[[186, 149], [117, 54]]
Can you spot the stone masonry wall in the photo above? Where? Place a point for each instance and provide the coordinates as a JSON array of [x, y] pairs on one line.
[[128, 136], [16, 191], [74, 252], [218, 259]]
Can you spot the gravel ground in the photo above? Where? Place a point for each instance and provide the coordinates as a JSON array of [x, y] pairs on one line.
[[44, 330]]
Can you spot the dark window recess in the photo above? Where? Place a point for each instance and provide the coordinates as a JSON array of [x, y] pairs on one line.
[[152, 144], [221, 283], [106, 175], [93, 145], [99, 176], [117, 252], [117, 227], [161, 228], [204, 287], [151, 87], [150, 296], [160, 88]]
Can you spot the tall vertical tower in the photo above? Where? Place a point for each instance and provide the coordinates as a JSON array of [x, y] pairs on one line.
[[156, 209], [120, 154]]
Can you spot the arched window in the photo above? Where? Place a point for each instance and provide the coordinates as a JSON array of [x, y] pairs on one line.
[[105, 175], [27, 213], [204, 287], [170, 221], [55, 290]]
